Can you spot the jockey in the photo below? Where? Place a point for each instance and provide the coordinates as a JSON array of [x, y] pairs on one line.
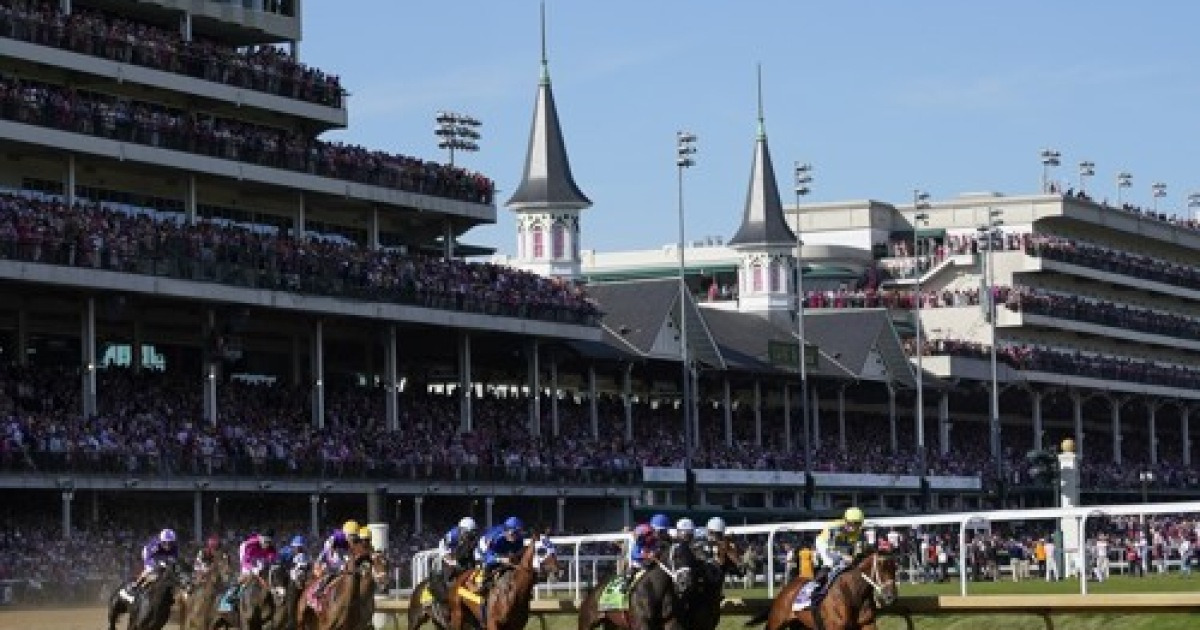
[[333, 558], [456, 548], [351, 528], [208, 557], [836, 545], [364, 539], [715, 530], [501, 546], [255, 553], [296, 560], [643, 554], [160, 549], [685, 531]]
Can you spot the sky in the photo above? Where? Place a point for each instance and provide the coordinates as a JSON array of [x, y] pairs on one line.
[[881, 97]]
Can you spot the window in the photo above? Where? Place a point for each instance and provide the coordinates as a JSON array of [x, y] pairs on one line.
[[539, 243], [757, 271], [558, 241], [776, 270]]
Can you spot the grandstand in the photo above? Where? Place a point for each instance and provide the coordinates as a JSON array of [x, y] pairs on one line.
[[209, 313]]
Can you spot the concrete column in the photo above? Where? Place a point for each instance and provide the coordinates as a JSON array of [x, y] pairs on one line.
[[787, 418], [626, 511], [554, 393], [189, 200], [300, 221], [1036, 399], [841, 401], [373, 231], [208, 389], [68, 496], [197, 516], [1185, 436], [757, 413], [22, 337], [814, 410], [727, 401], [88, 348], [391, 381], [69, 180], [375, 505], [64, 6], [464, 382], [892, 418], [561, 516], [1068, 479], [1152, 411], [1116, 430], [318, 374], [314, 516], [593, 402], [297, 362], [185, 26], [534, 378], [944, 424], [489, 505], [418, 514], [136, 356], [448, 238], [627, 399], [1077, 417]]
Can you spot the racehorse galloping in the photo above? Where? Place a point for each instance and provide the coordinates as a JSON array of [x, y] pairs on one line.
[[340, 608], [420, 612], [507, 605], [375, 566], [260, 600], [200, 602], [151, 608], [653, 605], [850, 602]]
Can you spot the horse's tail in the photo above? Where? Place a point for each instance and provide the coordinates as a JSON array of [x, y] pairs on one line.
[[759, 618]]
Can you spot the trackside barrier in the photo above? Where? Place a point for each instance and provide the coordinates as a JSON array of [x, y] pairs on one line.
[[962, 519]]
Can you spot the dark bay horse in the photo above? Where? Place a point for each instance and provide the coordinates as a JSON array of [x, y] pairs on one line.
[[507, 605], [702, 589], [261, 599], [151, 608], [850, 602], [653, 605]]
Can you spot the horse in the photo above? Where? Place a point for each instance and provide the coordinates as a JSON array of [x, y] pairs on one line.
[[850, 602], [349, 599], [261, 598], [653, 605], [507, 605], [702, 585], [151, 608], [199, 603]]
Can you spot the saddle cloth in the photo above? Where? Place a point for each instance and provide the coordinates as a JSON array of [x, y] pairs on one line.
[[615, 596]]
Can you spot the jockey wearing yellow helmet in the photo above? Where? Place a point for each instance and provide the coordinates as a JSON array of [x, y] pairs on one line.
[[836, 546]]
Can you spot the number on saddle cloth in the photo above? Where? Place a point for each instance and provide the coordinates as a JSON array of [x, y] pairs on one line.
[[615, 596]]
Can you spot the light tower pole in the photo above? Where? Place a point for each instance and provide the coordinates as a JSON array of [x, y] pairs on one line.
[[989, 233], [1124, 180], [802, 187], [920, 202], [685, 149], [1050, 158], [1087, 169]]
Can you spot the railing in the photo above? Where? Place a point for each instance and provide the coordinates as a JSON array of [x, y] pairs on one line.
[[258, 271], [175, 465]]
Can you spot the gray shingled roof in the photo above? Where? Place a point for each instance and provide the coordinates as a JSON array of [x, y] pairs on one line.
[[763, 223], [744, 339], [547, 181], [635, 312]]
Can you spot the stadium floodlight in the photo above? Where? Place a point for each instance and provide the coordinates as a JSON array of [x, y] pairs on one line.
[[457, 132], [685, 150], [1050, 158], [1158, 190], [989, 236], [803, 171], [1124, 180], [920, 219], [1087, 169]]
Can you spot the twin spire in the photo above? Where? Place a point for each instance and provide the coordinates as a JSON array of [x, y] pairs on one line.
[[763, 223]]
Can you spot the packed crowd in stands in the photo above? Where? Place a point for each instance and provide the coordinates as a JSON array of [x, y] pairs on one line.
[[1153, 214], [44, 229], [116, 118], [1079, 252], [1102, 312], [903, 264], [100, 34], [1071, 362]]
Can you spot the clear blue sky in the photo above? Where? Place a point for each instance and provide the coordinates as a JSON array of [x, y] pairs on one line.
[[880, 96]]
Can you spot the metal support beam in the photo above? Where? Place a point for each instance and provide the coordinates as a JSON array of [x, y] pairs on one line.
[[391, 380], [627, 399], [318, 369], [555, 421], [534, 379], [464, 382], [69, 181], [593, 402], [190, 211], [1036, 400], [727, 404], [88, 352]]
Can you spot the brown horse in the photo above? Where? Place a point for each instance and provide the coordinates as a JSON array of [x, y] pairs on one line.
[[348, 601], [850, 603], [198, 606], [507, 606]]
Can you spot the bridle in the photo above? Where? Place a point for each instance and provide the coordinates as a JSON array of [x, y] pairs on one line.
[[875, 581]]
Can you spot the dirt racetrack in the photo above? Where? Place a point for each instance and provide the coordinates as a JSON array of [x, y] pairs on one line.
[[71, 618]]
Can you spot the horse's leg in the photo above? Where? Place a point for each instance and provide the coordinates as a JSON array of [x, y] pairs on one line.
[[114, 608]]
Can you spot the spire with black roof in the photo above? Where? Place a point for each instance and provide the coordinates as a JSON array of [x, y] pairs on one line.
[[547, 201], [764, 241]]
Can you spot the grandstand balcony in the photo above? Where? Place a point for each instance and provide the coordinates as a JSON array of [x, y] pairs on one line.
[[240, 22]]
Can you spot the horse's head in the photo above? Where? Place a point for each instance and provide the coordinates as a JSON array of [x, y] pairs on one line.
[[728, 558], [878, 568], [545, 558], [379, 567]]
